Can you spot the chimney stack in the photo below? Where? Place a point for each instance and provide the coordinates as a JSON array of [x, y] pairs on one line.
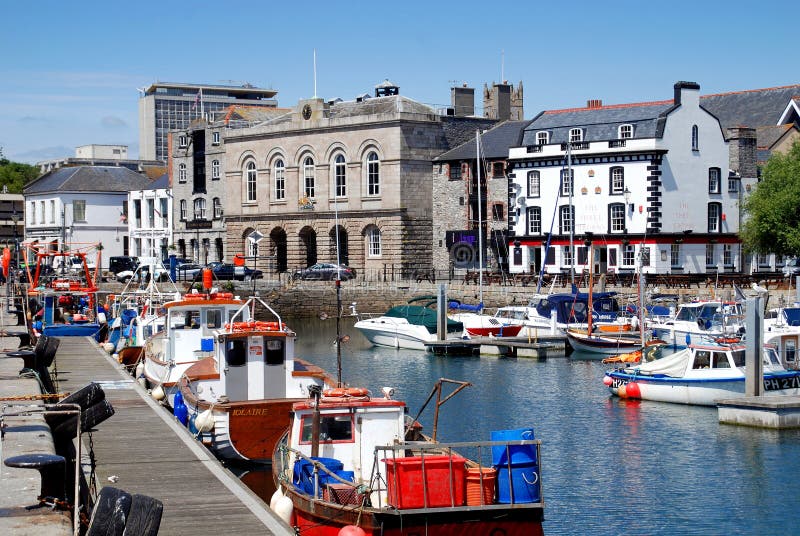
[[594, 103]]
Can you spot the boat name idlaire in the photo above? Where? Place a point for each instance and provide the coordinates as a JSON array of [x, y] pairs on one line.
[[779, 384], [251, 411]]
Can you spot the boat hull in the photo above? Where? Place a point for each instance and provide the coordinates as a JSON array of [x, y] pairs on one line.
[[700, 392], [324, 519], [391, 335], [603, 344], [71, 330], [494, 331]]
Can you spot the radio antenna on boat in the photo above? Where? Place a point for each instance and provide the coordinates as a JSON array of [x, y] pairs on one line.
[[480, 216]]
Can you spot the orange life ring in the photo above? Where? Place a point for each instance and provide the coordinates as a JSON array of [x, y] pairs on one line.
[[194, 297], [256, 325], [222, 296], [339, 392]]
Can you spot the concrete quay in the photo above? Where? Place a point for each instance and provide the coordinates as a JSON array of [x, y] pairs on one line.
[[776, 412]]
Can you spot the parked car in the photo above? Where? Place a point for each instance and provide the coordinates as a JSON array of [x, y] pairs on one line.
[[144, 273], [229, 272], [75, 265], [323, 271], [122, 263], [792, 267], [188, 271]]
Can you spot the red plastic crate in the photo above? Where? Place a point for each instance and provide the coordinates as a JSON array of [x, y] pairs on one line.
[[404, 478]]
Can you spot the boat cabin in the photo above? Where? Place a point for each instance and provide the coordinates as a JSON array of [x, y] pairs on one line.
[[193, 321]]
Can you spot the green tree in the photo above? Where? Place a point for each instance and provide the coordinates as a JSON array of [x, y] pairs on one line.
[[15, 175], [772, 210]]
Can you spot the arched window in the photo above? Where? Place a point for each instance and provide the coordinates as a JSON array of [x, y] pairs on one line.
[[250, 180], [280, 180], [373, 242], [575, 135], [695, 138], [616, 217], [181, 173], [308, 178], [215, 170], [217, 208], [542, 137], [373, 174], [714, 217], [200, 208], [625, 132], [183, 209], [616, 183], [340, 176], [534, 184]]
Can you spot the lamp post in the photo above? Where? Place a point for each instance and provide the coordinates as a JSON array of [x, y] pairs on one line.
[[627, 195]]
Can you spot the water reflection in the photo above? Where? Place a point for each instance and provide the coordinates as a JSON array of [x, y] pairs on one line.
[[608, 465]]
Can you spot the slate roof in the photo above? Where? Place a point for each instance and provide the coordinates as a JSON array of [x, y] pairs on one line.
[[161, 183], [102, 179], [252, 114], [495, 142], [768, 136], [751, 108]]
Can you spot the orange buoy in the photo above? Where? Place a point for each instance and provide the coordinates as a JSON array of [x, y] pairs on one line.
[[208, 278], [238, 260], [622, 391], [345, 392]]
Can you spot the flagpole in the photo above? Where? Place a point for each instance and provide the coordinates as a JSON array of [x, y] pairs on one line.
[[202, 108]]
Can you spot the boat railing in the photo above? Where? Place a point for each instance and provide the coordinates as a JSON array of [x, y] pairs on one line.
[[238, 316]]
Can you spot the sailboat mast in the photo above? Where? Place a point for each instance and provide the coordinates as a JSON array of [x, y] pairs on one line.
[[338, 293], [480, 216], [591, 289]]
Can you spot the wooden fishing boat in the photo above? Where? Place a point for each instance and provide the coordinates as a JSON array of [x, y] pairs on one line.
[[353, 460], [238, 400]]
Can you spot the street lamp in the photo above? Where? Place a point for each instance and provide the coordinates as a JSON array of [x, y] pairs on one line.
[[627, 195]]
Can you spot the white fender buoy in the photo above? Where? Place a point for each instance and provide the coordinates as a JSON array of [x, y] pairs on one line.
[[141, 380], [205, 421], [284, 508], [158, 393], [115, 355], [140, 369], [108, 347], [274, 499]]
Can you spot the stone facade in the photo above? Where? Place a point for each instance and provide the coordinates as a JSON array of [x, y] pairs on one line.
[[502, 101], [282, 179], [197, 167]]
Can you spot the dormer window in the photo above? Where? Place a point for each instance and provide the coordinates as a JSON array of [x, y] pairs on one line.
[[575, 135], [625, 132], [542, 138]]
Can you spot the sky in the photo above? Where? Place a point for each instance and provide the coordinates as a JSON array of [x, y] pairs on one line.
[[69, 70]]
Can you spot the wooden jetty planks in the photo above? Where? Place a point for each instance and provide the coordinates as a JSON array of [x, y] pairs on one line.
[[150, 453]]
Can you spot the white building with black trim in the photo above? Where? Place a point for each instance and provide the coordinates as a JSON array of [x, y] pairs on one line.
[[649, 179]]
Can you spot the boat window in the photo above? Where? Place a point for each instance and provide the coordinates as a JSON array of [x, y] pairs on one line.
[[274, 351], [191, 319], [792, 316], [702, 359], [721, 360], [790, 351], [578, 312], [771, 357], [332, 429], [738, 358], [236, 352], [687, 313], [214, 318]]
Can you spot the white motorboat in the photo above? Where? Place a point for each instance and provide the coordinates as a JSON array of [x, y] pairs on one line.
[[405, 326], [700, 322], [700, 375]]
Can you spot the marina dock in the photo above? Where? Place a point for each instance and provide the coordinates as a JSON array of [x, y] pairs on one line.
[[539, 348], [143, 449], [777, 412]]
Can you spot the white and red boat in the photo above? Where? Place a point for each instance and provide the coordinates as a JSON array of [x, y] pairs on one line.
[[354, 463], [238, 399]]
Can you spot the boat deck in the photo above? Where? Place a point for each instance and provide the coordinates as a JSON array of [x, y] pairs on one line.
[[143, 449]]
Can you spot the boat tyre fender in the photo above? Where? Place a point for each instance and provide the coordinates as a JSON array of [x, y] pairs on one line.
[[345, 392], [144, 517], [110, 512]]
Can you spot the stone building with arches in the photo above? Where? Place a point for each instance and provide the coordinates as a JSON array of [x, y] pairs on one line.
[[346, 179]]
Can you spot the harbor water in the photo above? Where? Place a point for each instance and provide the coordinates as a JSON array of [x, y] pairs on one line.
[[608, 466]]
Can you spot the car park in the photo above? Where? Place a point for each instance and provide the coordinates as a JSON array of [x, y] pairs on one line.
[[323, 271]]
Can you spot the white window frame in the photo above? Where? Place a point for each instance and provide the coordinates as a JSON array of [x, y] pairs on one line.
[[373, 174], [711, 251], [79, 210], [163, 205], [534, 218], [280, 180], [215, 137], [542, 137], [199, 208], [183, 141], [183, 209], [52, 211], [565, 223], [616, 216], [567, 187], [727, 254], [628, 255], [373, 242], [575, 135], [675, 255], [617, 183], [251, 182], [33, 213], [733, 185], [182, 173], [534, 184], [625, 132], [309, 180], [340, 176], [217, 207], [215, 170], [43, 214], [566, 257], [714, 217], [714, 180]]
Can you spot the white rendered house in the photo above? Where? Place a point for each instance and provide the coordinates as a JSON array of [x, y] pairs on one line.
[[149, 217]]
